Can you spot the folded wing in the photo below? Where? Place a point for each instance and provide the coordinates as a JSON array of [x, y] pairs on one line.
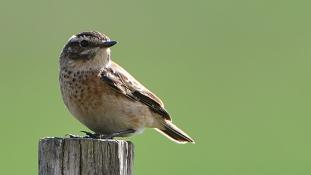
[[120, 80]]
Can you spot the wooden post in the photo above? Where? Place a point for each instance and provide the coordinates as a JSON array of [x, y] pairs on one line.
[[82, 156]]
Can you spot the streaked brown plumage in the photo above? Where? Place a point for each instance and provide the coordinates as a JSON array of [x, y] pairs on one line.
[[103, 96]]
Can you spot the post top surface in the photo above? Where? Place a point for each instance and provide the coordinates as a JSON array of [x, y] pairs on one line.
[[111, 141]]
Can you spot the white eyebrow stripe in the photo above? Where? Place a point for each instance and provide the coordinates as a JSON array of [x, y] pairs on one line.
[[72, 37], [75, 38]]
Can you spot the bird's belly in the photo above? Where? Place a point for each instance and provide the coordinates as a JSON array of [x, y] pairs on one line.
[[101, 108], [111, 112]]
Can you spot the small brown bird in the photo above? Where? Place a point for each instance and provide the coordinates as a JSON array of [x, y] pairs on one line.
[[105, 97]]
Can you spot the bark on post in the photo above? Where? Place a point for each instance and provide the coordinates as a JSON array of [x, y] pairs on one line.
[[82, 156]]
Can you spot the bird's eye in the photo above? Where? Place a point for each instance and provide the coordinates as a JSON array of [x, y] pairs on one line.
[[84, 43]]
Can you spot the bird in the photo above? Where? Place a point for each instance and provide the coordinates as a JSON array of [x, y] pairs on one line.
[[105, 97]]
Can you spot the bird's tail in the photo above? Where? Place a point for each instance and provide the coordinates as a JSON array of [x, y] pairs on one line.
[[174, 133]]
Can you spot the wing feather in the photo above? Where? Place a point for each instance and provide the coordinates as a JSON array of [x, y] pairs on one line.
[[124, 83]]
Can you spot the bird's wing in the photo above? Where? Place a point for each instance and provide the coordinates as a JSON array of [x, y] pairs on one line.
[[120, 80]]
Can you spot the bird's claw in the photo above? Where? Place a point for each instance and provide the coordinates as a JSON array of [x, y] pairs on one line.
[[72, 136], [91, 135], [107, 136]]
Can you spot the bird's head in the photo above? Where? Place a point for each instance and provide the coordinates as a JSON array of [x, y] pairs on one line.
[[86, 50]]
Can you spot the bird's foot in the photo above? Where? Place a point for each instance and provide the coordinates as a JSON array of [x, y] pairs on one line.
[[72, 136], [121, 133], [90, 135], [107, 136]]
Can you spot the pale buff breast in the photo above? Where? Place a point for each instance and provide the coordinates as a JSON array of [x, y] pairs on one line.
[[99, 107]]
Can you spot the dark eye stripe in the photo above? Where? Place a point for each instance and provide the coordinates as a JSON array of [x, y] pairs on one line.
[[83, 43], [73, 43]]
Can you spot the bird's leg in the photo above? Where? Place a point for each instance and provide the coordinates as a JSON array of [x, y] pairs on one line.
[[91, 135], [120, 133], [107, 136], [72, 136]]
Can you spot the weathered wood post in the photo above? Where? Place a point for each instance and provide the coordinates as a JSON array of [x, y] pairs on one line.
[[82, 156]]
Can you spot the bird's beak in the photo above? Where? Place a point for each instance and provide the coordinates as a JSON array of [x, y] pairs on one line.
[[108, 44]]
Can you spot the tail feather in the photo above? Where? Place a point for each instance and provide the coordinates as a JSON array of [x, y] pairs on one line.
[[174, 133]]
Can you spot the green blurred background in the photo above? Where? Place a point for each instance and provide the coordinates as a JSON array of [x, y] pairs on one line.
[[235, 75]]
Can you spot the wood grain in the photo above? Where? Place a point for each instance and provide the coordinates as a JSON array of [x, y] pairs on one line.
[[83, 156]]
